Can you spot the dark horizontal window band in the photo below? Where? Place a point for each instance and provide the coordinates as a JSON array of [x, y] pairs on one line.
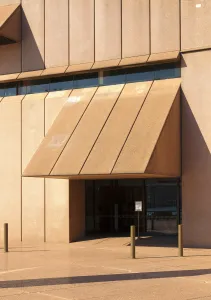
[[111, 77]]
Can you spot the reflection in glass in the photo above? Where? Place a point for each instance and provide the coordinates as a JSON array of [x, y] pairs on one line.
[[167, 71], [38, 86], [1, 90], [114, 77], [86, 80], [22, 88], [59, 84], [109, 77], [140, 74], [10, 89]]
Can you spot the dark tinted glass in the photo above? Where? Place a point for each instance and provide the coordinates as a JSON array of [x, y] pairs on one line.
[[10, 89], [117, 76], [86, 80], [1, 90], [38, 86], [114, 77], [167, 71], [64, 83], [22, 88], [140, 74]]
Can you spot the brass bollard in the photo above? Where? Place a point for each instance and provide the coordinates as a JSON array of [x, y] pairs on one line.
[[180, 240], [132, 235], [5, 237]]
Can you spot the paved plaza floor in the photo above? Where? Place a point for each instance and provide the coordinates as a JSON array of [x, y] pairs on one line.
[[102, 269]]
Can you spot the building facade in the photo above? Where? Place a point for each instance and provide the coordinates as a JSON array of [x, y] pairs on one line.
[[104, 103]]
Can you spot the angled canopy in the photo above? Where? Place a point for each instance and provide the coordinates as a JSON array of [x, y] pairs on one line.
[[10, 24], [118, 131]]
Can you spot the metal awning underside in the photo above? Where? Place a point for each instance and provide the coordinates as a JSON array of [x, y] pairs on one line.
[[119, 131]]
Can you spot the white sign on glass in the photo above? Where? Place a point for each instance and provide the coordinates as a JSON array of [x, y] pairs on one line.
[[138, 206]]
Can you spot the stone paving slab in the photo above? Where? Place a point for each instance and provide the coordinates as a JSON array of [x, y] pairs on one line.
[[102, 269]]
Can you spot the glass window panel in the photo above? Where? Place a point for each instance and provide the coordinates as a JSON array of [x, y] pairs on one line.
[[139, 74], [124, 75], [114, 77], [38, 86], [86, 80], [167, 71], [59, 84], [2, 90], [10, 89], [22, 88]]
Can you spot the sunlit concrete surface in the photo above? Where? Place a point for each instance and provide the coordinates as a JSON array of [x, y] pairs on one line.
[[102, 269]]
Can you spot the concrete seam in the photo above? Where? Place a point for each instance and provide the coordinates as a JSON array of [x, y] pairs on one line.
[[131, 129], [73, 131]]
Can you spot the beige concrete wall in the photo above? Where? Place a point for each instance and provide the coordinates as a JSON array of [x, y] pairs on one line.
[[32, 188], [56, 190], [33, 35], [195, 24], [10, 59], [77, 210], [107, 29], [10, 161], [80, 32], [36, 209], [196, 179], [56, 33], [135, 28], [165, 33], [7, 2]]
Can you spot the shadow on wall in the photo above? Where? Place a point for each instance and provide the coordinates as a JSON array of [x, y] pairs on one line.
[[196, 184], [101, 278], [32, 58]]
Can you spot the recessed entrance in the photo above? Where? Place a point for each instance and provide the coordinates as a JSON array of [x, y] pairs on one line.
[[110, 206]]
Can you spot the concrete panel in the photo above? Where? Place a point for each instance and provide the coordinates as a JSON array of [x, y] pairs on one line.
[[77, 210], [134, 60], [115, 132], [165, 26], [9, 77], [7, 2], [12, 27], [32, 188], [31, 74], [86, 133], [32, 35], [56, 33], [165, 56], [81, 31], [166, 157], [196, 180], [195, 24], [10, 161], [107, 29], [106, 64], [10, 59], [53, 105], [60, 132], [10, 20], [54, 71], [146, 131], [135, 28], [80, 67], [56, 190]]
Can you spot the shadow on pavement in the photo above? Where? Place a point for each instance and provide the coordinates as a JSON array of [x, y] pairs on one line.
[[101, 278], [157, 241]]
